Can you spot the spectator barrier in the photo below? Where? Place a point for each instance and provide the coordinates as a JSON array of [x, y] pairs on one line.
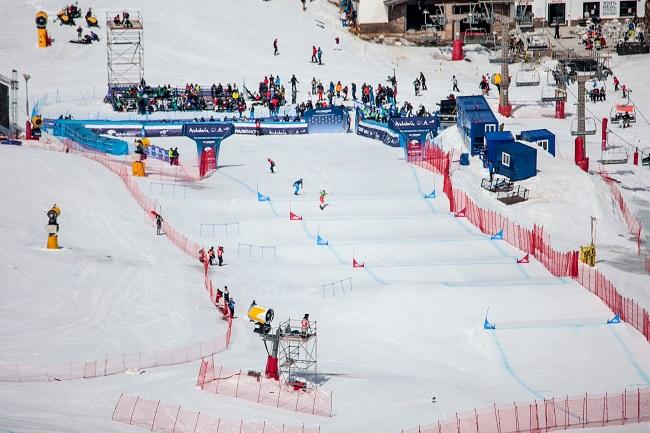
[[157, 416], [110, 366], [633, 224], [88, 138], [255, 387], [629, 407], [135, 361], [533, 242]]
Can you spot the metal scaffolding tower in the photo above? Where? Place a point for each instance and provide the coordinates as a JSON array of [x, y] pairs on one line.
[[124, 49], [298, 353], [9, 105]]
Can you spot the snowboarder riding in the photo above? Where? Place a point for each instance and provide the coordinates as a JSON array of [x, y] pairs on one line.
[[271, 164], [321, 200], [297, 186]]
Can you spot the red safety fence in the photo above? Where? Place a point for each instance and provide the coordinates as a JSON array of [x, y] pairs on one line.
[[134, 361], [157, 416], [535, 242], [255, 387], [110, 365], [633, 224], [628, 310], [550, 415]]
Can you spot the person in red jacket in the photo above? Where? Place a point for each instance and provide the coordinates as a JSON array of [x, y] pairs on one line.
[[220, 255], [271, 164], [314, 51], [304, 326]]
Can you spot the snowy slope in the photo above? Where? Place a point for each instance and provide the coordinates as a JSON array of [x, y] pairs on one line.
[[410, 328]]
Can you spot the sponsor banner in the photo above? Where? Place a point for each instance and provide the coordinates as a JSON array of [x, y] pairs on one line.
[[327, 120], [163, 131], [414, 149], [116, 130], [247, 128], [377, 132], [422, 124], [207, 130]]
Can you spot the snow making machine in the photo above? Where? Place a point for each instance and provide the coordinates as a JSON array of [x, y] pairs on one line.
[[262, 317]]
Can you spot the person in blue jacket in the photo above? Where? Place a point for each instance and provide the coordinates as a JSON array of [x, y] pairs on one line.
[[231, 307], [297, 186]]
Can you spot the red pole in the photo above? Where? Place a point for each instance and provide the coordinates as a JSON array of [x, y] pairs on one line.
[[604, 134]]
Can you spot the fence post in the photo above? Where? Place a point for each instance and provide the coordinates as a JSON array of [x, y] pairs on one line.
[[197, 422], [313, 408], [259, 391], [118, 403], [623, 409], [297, 398], [237, 388], [241, 424], [133, 411], [216, 390], [278, 403], [605, 414], [155, 415]]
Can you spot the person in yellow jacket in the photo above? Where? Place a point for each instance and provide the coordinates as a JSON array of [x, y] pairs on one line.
[[338, 89], [170, 154]]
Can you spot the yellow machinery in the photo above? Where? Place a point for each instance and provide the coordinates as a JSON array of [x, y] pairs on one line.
[[588, 255], [137, 168], [44, 40], [53, 228], [262, 317]]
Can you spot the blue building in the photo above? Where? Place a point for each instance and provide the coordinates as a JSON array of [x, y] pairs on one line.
[[475, 118], [510, 158], [542, 138]]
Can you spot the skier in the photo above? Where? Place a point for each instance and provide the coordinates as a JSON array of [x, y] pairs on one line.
[[293, 81], [321, 200], [319, 53], [314, 53], [220, 255], [624, 89], [616, 84], [211, 256], [271, 164], [297, 186], [423, 81], [159, 222], [275, 47], [454, 81], [304, 325]]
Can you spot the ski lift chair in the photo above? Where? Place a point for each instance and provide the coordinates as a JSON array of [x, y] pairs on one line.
[[526, 78], [497, 56], [614, 155], [475, 35], [645, 156], [553, 94], [590, 126], [618, 111]]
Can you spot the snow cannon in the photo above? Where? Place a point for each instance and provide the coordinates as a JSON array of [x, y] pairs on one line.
[[44, 40], [52, 228], [36, 122], [262, 317]]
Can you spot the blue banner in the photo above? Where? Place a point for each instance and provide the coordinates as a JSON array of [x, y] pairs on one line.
[[271, 128], [419, 124], [208, 130], [376, 131], [327, 120]]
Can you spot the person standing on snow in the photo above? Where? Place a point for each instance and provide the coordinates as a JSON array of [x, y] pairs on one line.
[[211, 256], [321, 200], [304, 325], [416, 87], [314, 53], [319, 53], [159, 222], [293, 81], [297, 186], [271, 164], [304, 5], [220, 255], [275, 47], [354, 92], [423, 81], [454, 81], [231, 307]]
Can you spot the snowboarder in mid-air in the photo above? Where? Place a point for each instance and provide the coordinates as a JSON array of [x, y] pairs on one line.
[[297, 186], [321, 200], [271, 164]]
